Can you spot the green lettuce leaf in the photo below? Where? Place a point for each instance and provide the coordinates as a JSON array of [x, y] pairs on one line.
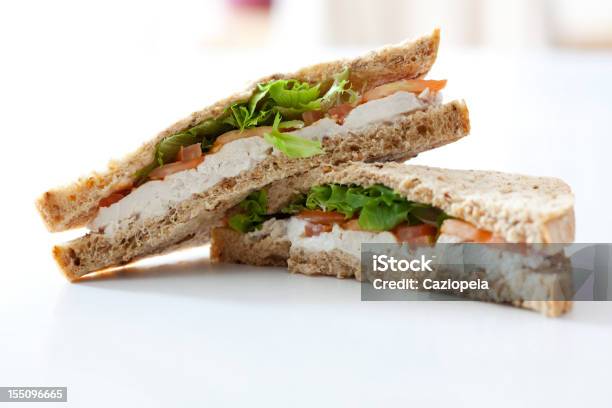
[[356, 197], [317, 197], [376, 215], [169, 147], [293, 94], [291, 124], [258, 96], [208, 131], [291, 145], [330, 198], [378, 208], [337, 89], [296, 205], [253, 214], [242, 118], [209, 128]]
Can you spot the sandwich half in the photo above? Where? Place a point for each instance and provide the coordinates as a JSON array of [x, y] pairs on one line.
[[315, 223], [170, 192]]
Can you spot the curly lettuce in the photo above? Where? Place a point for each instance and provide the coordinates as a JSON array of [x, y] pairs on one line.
[[337, 91], [293, 94], [291, 145], [377, 207], [272, 103], [253, 213]]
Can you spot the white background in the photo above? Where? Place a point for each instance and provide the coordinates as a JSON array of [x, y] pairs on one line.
[[80, 84]]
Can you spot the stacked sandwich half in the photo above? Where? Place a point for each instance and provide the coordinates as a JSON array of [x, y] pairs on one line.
[[298, 170]]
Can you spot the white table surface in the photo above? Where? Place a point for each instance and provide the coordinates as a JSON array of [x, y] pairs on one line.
[[241, 336]]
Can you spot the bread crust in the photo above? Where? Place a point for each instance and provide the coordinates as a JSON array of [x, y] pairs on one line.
[[74, 205], [407, 134], [266, 250]]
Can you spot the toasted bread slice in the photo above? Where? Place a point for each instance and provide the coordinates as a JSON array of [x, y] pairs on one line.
[[74, 205]]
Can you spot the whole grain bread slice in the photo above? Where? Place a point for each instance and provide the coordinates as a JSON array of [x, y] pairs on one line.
[[189, 222], [74, 205]]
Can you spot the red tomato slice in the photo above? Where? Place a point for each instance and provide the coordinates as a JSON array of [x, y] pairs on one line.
[[339, 112], [116, 195], [415, 234], [465, 231], [407, 85], [321, 217], [311, 117], [313, 230], [352, 225], [110, 200], [190, 152], [167, 169]]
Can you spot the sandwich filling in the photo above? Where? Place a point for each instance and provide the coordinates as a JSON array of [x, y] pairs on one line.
[[343, 217], [282, 117]]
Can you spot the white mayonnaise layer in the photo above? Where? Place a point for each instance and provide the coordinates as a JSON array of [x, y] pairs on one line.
[[154, 198], [341, 239]]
